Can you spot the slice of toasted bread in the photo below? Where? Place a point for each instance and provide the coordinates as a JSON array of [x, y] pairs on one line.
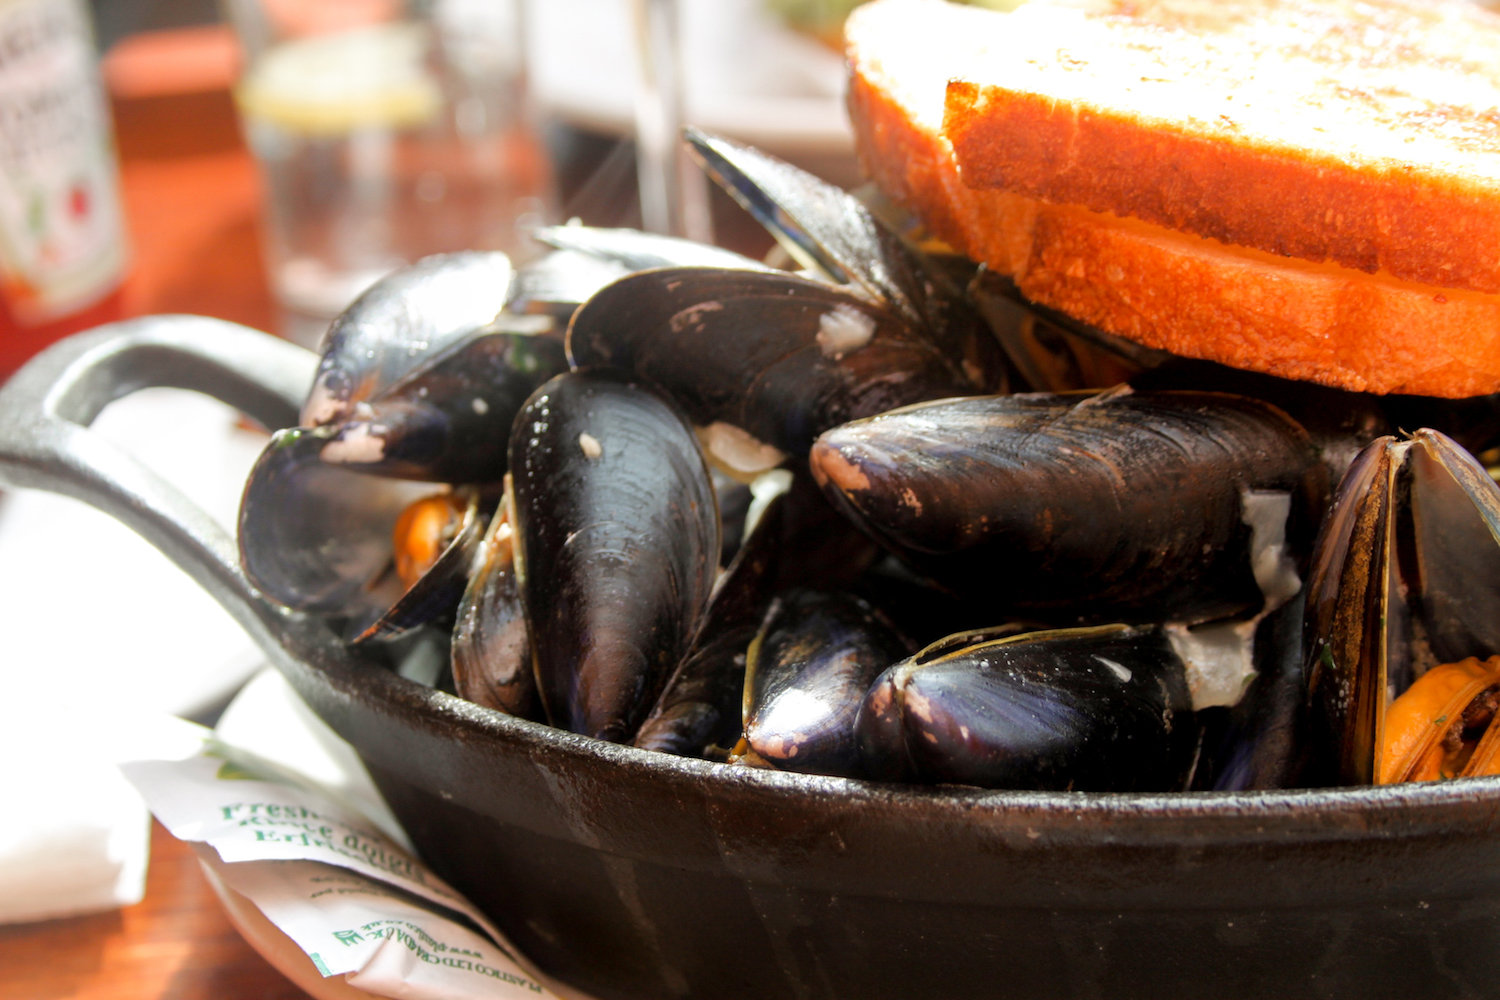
[[1186, 294], [1364, 132]]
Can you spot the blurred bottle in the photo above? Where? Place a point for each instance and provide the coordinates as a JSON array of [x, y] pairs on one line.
[[63, 252]]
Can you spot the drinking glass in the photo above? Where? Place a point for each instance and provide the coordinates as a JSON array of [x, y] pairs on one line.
[[385, 131], [674, 192]]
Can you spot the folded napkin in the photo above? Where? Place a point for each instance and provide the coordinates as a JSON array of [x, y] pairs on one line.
[[101, 634], [75, 834]]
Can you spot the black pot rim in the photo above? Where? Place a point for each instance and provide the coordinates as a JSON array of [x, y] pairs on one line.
[[1147, 819]]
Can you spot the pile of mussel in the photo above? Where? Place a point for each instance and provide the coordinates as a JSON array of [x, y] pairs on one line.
[[871, 515]]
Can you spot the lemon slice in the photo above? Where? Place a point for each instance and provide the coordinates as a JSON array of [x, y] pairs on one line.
[[333, 84]]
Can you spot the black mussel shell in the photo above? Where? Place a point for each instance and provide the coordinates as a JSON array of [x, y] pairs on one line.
[[449, 421], [435, 593], [617, 545], [399, 321], [1405, 576], [698, 714], [1455, 517], [778, 356], [812, 661], [832, 234], [315, 536], [1120, 505], [796, 540], [822, 227], [1099, 709], [491, 649], [701, 705], [556, 283], [734, 504], [1259, 742]]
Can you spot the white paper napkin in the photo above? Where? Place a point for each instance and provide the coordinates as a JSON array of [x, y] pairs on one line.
[[75, 833], [101, 632]]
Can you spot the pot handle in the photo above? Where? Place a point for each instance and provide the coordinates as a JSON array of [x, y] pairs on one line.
[[46, 443]]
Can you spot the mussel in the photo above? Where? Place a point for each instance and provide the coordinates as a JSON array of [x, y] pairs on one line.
[[699, 710], [807, 671], [794, 540], [616, 545], [447, 420], [776, 356], [835, 237], [631, 250], [491, 650], [414, 384], [1443, 726], [432, 545], [1404, 615], [417, 311], [1103, 708], [1086, 507]]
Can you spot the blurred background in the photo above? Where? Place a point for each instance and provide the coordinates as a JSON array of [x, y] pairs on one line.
[[115, 19], [238, 240]]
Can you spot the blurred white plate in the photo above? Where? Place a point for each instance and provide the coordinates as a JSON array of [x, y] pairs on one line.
[[748, 77]]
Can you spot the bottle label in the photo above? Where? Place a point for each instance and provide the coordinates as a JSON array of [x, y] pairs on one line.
[[62, 243]]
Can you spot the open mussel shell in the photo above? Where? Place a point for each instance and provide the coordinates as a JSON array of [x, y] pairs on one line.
[[1257, 742], [433, 589], [734, 498], [775, 355], [316, 536], [822, 227], [1121, 505], [807, 672], [556, 283], [1455, 507], [586, 258], [832, 234], [449, 421], [697, 714], [617, 545], [396, 323], [1406, 577], [491, 649], [1103, 708]]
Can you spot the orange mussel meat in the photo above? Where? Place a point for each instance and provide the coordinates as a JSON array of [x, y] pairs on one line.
[[1443, 726]]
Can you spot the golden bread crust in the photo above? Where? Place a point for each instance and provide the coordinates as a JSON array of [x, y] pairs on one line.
[[1318, 323], [1271, 124], [1182, 293]]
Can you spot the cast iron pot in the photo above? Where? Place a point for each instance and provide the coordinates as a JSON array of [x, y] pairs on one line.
[[631, 874]]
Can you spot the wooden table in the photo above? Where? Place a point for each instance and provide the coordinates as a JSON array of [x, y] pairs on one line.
[[176, 944]]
